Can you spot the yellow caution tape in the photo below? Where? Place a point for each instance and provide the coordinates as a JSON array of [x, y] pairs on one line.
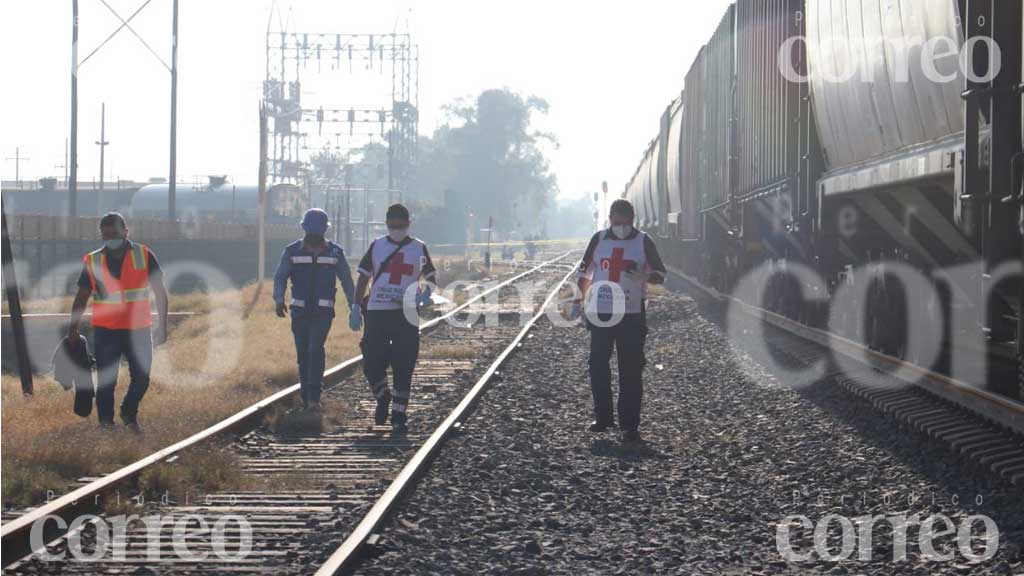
[[515, 243]]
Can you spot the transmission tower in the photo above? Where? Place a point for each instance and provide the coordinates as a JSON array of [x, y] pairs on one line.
[[342, 125]]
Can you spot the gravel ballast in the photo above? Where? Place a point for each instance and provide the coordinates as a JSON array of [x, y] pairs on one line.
[[728, 454]]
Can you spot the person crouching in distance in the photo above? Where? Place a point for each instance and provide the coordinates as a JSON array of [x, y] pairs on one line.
[[628, 258], [312, 263], [392, 265]]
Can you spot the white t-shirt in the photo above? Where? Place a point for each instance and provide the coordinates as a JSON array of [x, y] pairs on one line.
[[403, 269], [626, 263]]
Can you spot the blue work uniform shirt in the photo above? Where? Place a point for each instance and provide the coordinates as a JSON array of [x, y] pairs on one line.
[[313, 278]]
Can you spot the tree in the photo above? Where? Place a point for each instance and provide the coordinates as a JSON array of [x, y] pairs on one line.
[[485, 160], [489, 153]]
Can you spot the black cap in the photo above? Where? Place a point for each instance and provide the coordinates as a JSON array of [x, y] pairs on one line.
[[397, 212], [112, 219], [622, 207]]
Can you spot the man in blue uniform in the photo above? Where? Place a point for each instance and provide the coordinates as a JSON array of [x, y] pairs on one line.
[[312, 264]]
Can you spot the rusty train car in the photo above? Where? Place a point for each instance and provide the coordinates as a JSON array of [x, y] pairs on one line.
[[866, 141]]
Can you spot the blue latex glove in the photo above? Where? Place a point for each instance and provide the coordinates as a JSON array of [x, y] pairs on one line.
[[355, 318], [423, 298], [576, 311]]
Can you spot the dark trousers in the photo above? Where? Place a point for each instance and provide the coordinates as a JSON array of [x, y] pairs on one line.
[[109, 346], [628, 338], [390, 340], [310, 335]]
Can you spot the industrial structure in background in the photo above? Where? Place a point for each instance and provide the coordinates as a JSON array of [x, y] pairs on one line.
[[76, 64], [341, 129]]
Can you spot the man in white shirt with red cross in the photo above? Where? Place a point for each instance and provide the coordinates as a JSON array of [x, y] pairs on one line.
[[616, 267], [392, 266]]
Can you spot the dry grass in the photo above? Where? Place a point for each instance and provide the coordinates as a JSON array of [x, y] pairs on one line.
[[196, 381], [199, 377], [192, 302]]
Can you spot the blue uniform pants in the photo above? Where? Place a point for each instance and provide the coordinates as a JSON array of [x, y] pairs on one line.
[[310, 334]]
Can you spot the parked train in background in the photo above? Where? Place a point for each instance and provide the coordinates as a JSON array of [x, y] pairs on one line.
[[776, 157], [220, 201], [215, 200]]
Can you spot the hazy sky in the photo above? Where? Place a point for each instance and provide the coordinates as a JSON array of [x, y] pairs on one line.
[[608, 69]]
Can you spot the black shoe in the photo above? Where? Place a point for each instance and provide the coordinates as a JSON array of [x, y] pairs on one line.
[[380, 415], [399, 427], [107, 425], [631, 436], [133, 426], [599, 426]]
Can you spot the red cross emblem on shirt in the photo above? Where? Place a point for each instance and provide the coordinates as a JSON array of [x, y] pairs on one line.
[[616, 264], [398, 268]]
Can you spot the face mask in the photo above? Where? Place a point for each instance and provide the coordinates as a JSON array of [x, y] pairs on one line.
[[398, 234], [622, 231], [114, 243]]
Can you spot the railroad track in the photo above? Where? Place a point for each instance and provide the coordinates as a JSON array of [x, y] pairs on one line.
[[981, 426], [332, 487]]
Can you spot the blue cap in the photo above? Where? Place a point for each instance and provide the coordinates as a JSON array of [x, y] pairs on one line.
[[314, 221]]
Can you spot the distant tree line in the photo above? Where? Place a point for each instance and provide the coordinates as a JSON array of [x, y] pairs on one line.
[[486, 160]]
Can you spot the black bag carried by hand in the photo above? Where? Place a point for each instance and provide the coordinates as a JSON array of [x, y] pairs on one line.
[[72, 368]]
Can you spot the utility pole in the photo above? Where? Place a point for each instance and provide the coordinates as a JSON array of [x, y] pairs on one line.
[[348, 220], [366, 220], [64, 166], [171, 209], [261, 252], [487, 255], [18, 159], [102, 143], [604, 204], [391, 167], [14, 303], [73, 167]]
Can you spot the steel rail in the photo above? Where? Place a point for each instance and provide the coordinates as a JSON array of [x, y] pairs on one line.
[[16, 533], [347, 554], [993, 407]]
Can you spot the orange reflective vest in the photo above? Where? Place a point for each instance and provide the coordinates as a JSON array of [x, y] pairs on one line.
[[120, 303]]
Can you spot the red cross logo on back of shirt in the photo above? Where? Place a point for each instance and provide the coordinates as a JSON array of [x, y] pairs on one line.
[[398, 268], [616, 264]]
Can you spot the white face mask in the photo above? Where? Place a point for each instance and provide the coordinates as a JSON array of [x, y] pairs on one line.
[[398, 234], [622, 230]]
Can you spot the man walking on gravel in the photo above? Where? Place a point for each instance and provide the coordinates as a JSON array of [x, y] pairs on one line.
[[312, 263], [618, 264], [392, 265]]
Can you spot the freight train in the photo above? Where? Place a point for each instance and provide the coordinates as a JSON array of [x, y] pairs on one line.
[[874, 145]]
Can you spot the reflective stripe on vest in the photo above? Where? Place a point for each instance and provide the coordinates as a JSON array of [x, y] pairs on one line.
[[103, 293], [136, 295], [139, 260], [120, 303]]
